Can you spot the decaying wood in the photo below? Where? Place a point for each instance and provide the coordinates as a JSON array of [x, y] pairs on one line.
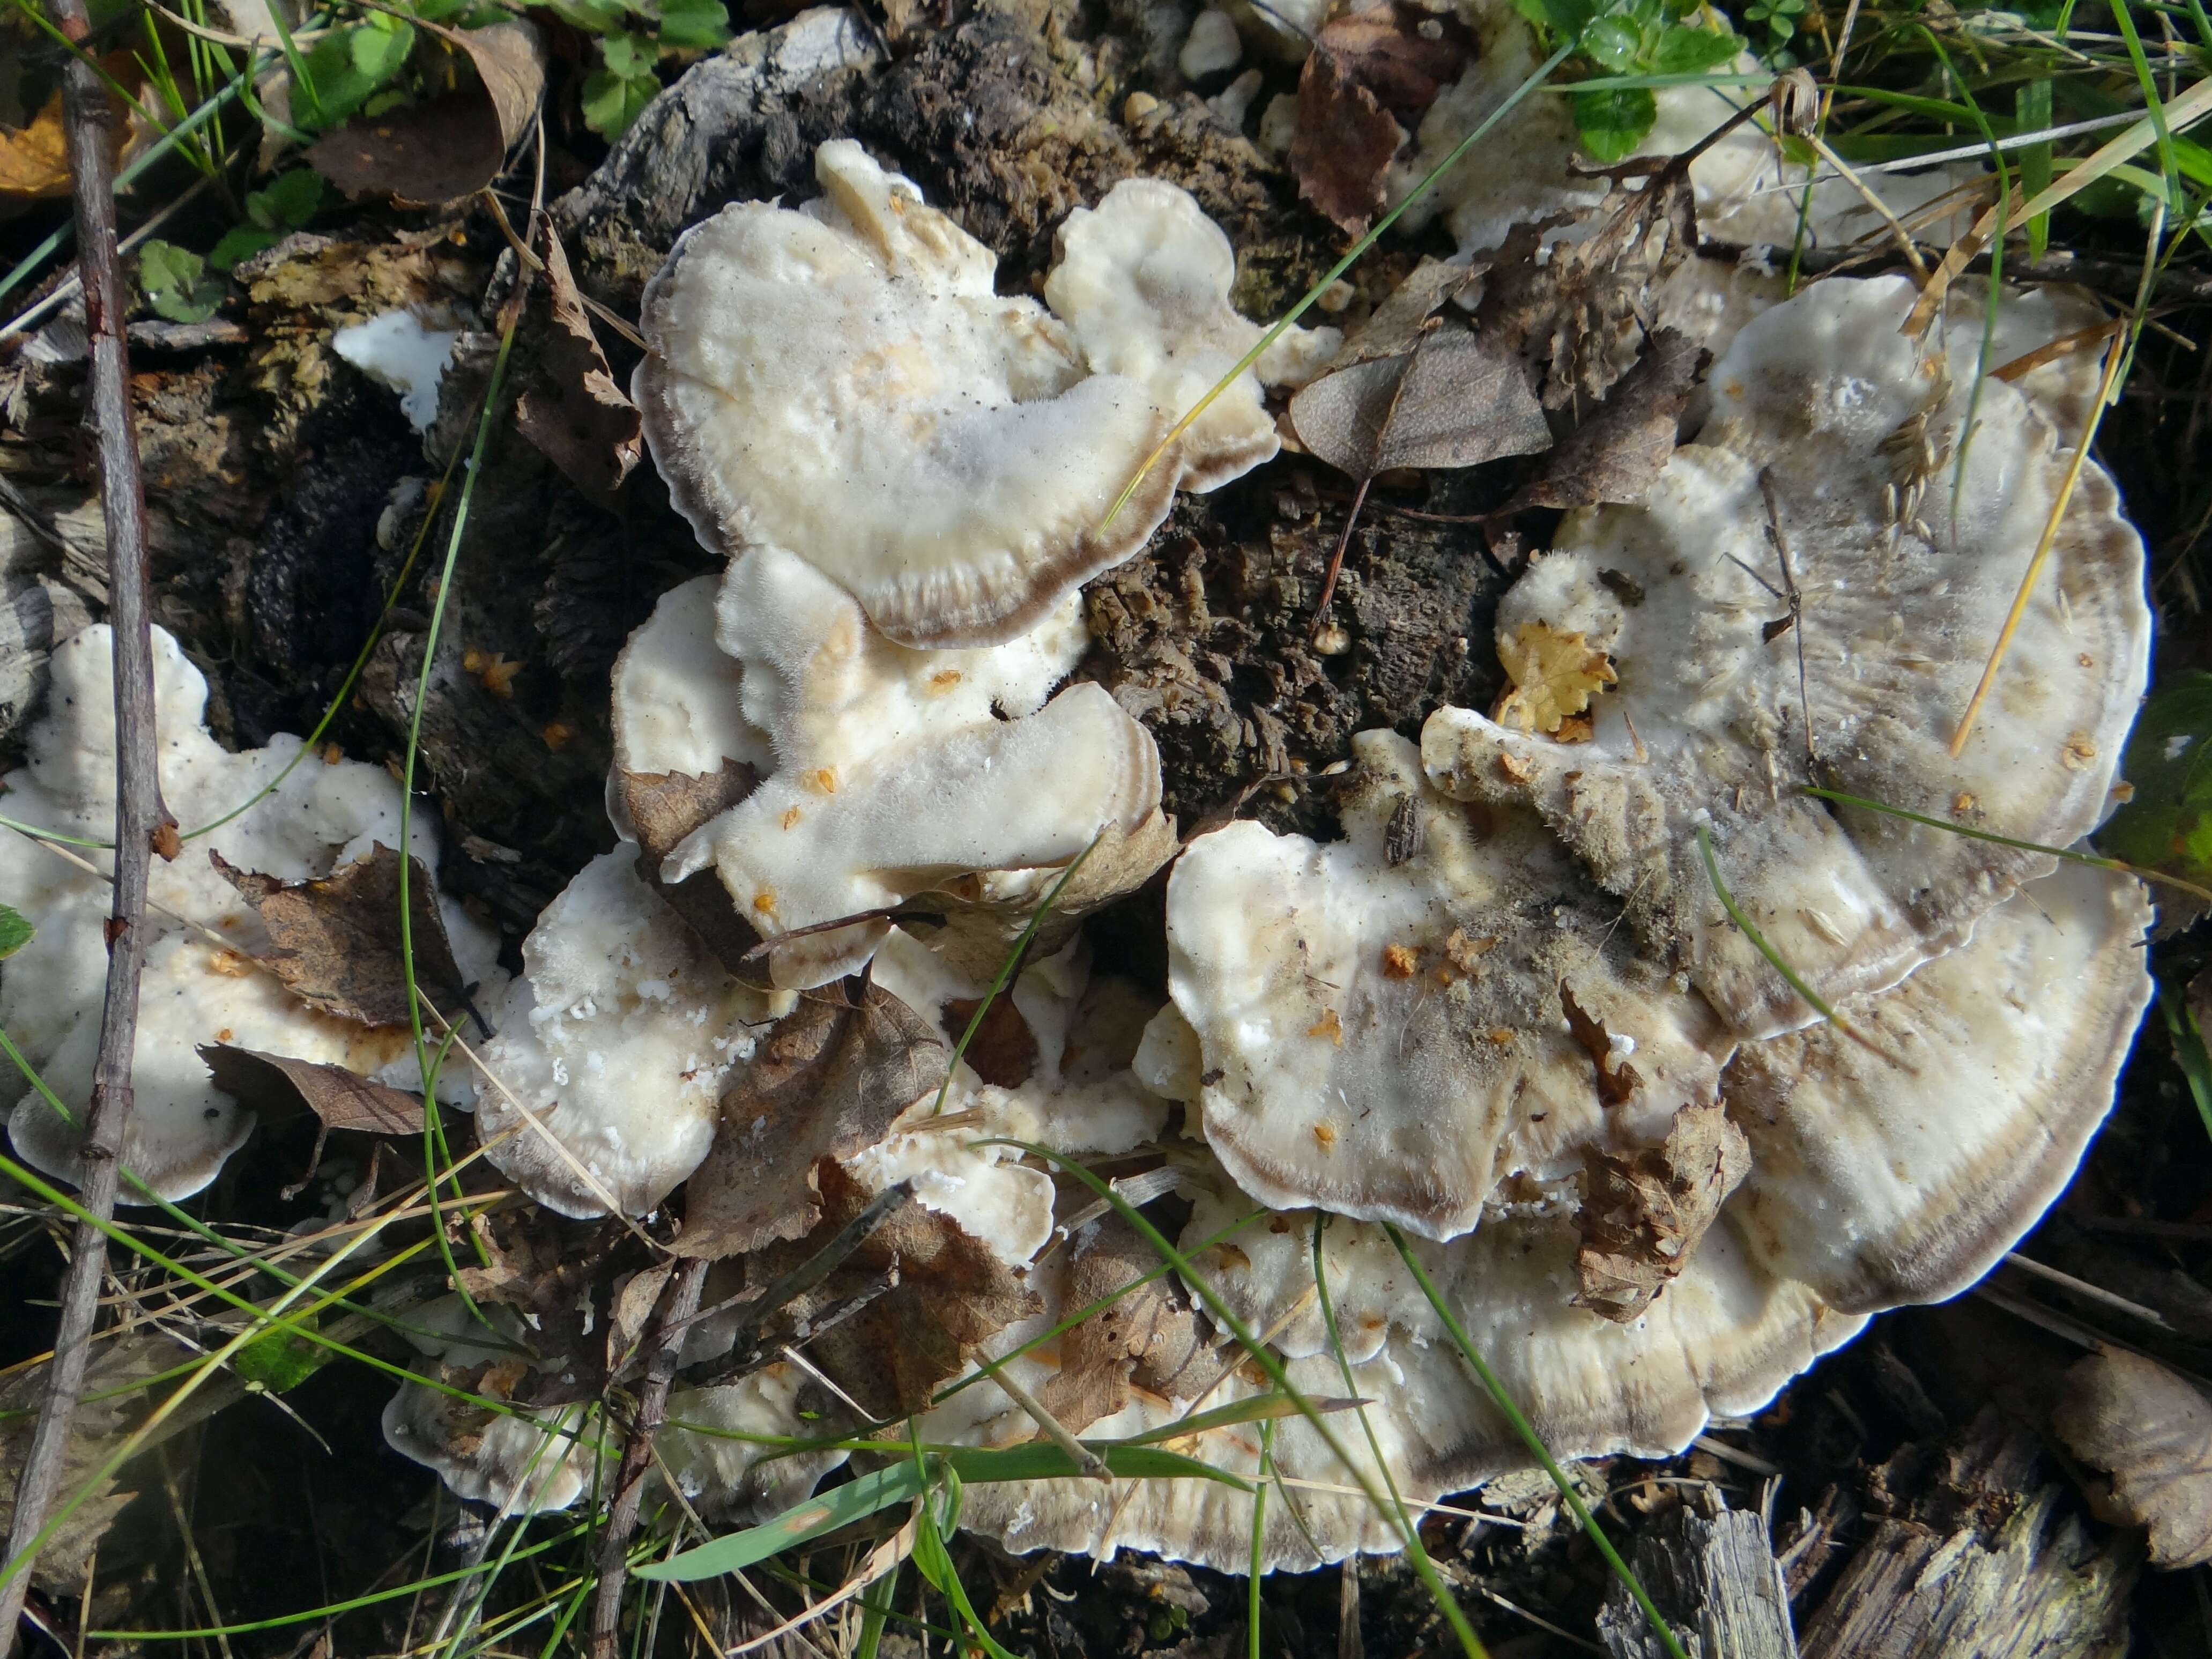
[[1714, 1576], [140, 821], [1991, 1561]]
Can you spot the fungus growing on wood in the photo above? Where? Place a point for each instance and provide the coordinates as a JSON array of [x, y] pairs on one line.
[[1394, 1022], [841, 381], [871, 772], [325, 815], [1806, 597]]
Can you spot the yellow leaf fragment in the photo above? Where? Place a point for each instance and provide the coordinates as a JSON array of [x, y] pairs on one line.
[[1554, 677], [32, 160]]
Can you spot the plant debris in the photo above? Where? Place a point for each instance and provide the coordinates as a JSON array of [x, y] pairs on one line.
[[1643, 1215], [1554, 675], [577, 416], [2151, 1432], [337, 942], [1368, 80], [454, 144], [1148, 1335], [826, 1083]]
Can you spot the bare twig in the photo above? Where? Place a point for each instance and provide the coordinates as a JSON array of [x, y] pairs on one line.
[[142, 822], [679, 1303]]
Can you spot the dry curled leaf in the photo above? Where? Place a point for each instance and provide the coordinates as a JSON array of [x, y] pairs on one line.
[[1577, 309], [1004, 1050], [951, 1293], [1554, 677], [1451, 398], [1621, 446], [336, 941], [33, 164], [278, 1086], [1616, 1077], [2151, 1432], [825, 1084], [450, 146], [1643, 1215], [1147, 1336], [576, 416], [664, 807], [1366, 83]]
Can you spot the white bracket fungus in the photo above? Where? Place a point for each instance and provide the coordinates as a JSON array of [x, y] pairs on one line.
[[1829, 467], [325, 815], [396, 350], [1385, 1018], [620, 1008], [894, 772], [841, 380]]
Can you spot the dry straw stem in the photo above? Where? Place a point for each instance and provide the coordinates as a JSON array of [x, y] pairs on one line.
[[2115, 354], [142, 822], [2192, 105]]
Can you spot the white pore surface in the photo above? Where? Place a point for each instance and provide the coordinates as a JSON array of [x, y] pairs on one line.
[[194, 992], [1708, 725], [396, 350], [1389, 1040], [619, 1040], [523, 1462], [842, 380], [893, 769]]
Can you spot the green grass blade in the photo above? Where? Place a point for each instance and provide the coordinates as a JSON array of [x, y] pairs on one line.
[[838, 1507], [1813, 998], [1534, 1442]]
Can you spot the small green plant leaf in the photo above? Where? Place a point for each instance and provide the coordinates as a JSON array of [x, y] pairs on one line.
[[176, 283], [1615, 42], [1685, 51], [289, 202], [280, 1360], [693, 24], [14, 932], [614, 95], [2167, 823], [241, 243], [380, 44], [1612, 123], [2188, 1040], [840, 1506]]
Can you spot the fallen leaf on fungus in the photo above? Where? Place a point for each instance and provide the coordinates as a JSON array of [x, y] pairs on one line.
[[1621, 446], [1616, 1077], [1366, 83], [1643, 1215], [1449, 398], [664, 807], [2151, 1432], [1004, 1050], [1554, 677], [337, 939], [950, 1294], [278, 1086], [576, 416], [825, 1084], [1147, 1335]]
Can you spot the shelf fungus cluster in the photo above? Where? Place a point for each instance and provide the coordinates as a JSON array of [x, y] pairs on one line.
[[267, 934], [1513, 1023]]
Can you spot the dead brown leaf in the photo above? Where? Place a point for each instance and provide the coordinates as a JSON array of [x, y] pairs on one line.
[[1365, 83], [337, 940], [1004, 1052], [1643, 1215], [951, 1293], [33, 160], [1451, 398], [449, 146], [1616, 1077], [825, 1084], [2151, 1431], [1575, 309], [576, 416], [664, 807], [277, 1085], [1147, 1336], [1621, 446]]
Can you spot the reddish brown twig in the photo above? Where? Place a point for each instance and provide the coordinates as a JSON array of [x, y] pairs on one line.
[[142, 822], [678, 1302]]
